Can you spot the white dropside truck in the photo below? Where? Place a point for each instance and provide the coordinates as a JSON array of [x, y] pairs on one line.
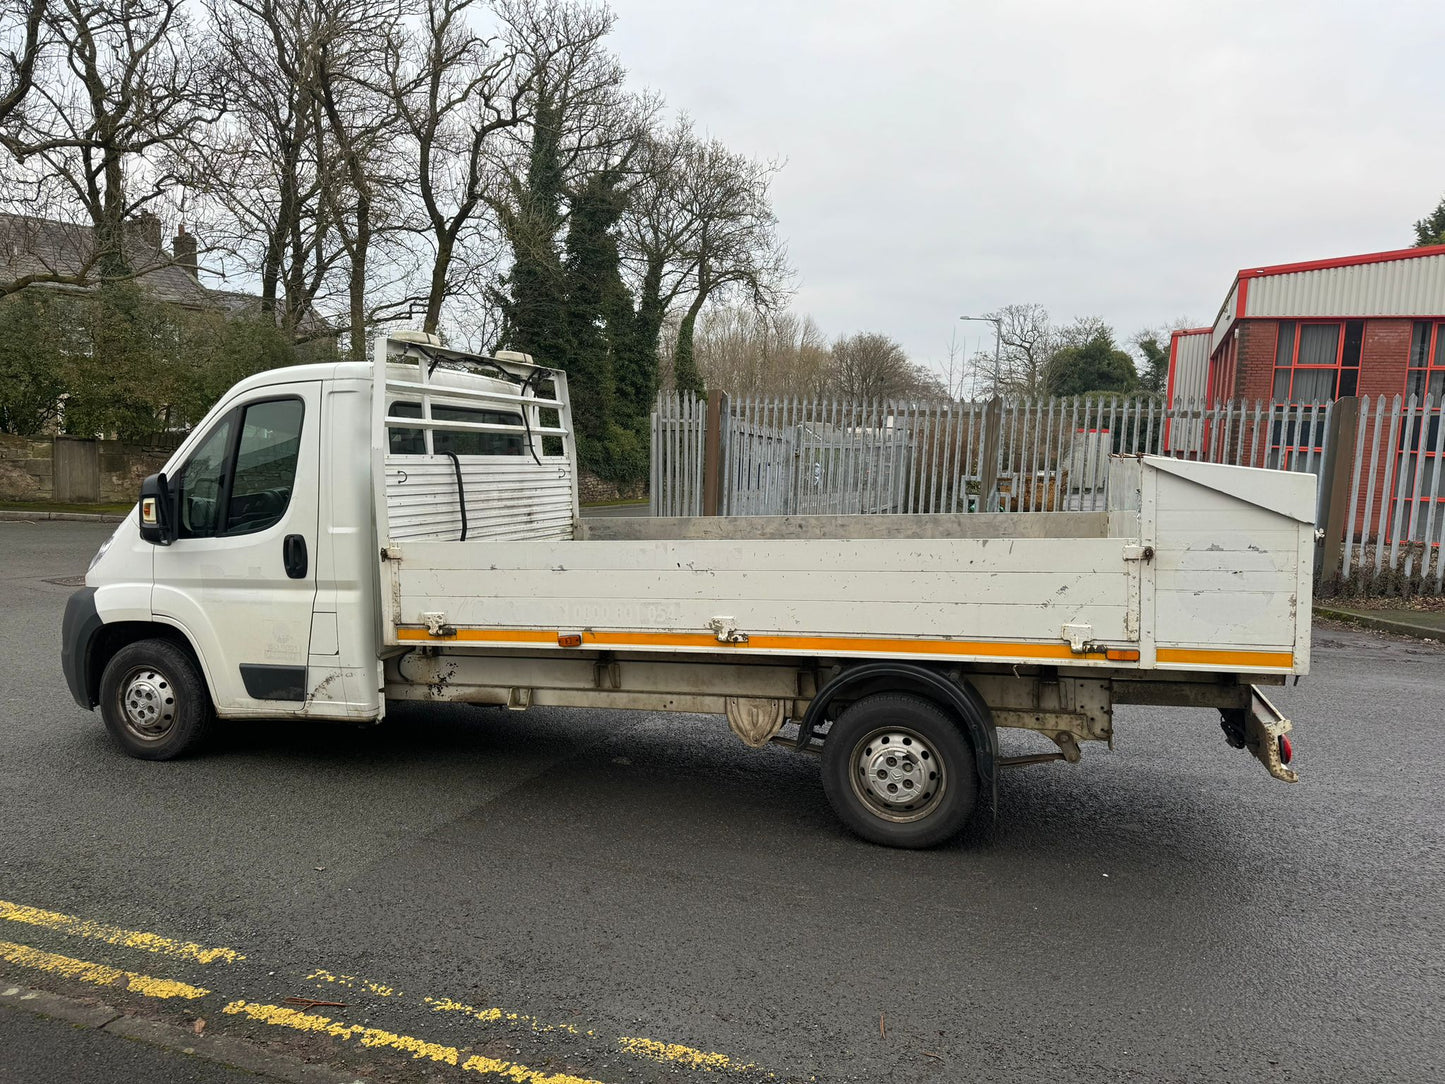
[[335, 536]]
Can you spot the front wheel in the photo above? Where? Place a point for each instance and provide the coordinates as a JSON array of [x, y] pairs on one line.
[[154, 701], [899, 771]]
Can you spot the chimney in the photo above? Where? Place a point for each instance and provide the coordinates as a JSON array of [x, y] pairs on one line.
[[144, 233], [183, 249]]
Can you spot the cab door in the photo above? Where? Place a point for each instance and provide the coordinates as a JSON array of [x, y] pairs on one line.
[[239, 578]]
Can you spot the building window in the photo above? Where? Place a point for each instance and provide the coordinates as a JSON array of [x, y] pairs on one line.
[[1427, 362], [1419, 472], [1317, 362]]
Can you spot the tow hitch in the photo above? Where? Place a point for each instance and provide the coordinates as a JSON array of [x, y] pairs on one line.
[[1261, 729]]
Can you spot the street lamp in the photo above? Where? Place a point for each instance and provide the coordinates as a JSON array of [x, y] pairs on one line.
[[997, 322]]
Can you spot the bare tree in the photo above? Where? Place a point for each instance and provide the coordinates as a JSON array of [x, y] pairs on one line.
[[270, 160], [869, 366], [108, 125], [454, 91], [653, 235], [22, 25], [958, 374], [730, 245], [746, 352], [361, 120], [1028, 340]]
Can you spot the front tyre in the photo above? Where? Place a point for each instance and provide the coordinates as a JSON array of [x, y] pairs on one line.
[[899, 771], [154, 701]]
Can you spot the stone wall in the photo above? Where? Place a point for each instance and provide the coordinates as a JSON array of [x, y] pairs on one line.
[[123, 467], [593, 490], [27, 469]]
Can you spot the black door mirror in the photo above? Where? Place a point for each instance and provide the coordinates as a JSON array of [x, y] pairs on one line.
[[157, 513]]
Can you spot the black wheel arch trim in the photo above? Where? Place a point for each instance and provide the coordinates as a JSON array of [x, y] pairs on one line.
[[900, 677], [77, 640], [87, 642]]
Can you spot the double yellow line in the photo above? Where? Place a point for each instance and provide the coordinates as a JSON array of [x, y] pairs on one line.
[[99, 974], [103, 974]]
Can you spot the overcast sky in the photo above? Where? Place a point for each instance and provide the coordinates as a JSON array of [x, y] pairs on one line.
[[1119, 158]]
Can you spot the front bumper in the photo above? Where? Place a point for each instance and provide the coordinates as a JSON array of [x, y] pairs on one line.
[[77, 635]]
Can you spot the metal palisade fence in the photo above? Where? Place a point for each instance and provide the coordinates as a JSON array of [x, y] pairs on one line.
[[1382, 489]]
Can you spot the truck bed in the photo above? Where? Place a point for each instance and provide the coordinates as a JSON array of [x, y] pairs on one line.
[[1193, 567]]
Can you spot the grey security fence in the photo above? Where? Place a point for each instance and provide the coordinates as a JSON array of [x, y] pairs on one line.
[[1385, 524], [676, 476], [1381, 486], [789, 456]]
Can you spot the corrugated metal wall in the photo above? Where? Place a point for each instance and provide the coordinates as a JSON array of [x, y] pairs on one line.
[[1413, 287], [507, 497], [1188, 383]]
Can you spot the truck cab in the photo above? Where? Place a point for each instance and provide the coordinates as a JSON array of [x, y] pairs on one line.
[[251, 556]]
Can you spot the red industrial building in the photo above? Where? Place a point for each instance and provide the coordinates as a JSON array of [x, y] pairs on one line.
[[1321, 330], [1313, 333]]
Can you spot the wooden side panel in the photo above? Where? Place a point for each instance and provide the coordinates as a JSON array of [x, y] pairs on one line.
[[1226, 567], [966, 589]]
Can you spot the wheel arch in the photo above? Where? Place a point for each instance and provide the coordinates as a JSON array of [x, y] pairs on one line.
[[110, 638], [960, 700]]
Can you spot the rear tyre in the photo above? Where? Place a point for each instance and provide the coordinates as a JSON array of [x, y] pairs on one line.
[[154, 701], [899, 771]]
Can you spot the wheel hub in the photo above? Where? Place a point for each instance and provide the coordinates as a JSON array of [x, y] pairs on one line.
[[897, 773], [149, 703]]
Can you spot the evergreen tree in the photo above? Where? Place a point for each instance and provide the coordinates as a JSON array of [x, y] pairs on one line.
[[685, 374], [1156, 365], [636, 362], [1430, 230], [598, 313], [1096, 364], [535, 299]]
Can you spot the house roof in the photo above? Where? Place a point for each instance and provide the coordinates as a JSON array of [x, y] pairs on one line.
[[237, 303], [40, 246]]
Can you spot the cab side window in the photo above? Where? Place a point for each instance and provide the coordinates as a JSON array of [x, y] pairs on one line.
[[239, 478], [198, 489], [266, 454]]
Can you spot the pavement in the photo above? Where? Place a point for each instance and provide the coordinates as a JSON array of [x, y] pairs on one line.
[[40, 1049], [1422, 624], [564, 896]]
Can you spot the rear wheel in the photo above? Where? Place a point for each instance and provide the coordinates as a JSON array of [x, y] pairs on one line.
[[899, 771], [154, 701]]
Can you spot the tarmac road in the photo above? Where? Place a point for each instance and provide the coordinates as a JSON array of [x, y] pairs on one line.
[[622, 897]]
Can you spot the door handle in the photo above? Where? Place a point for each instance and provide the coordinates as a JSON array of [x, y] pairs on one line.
[[293, 554]]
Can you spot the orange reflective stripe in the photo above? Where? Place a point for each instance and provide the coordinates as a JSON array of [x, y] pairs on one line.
[[1223, 660], [808, 644]]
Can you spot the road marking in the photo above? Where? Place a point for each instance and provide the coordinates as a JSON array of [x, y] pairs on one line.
[[115, 935], [277, 1016], [685, 1056], [493, 1016], [103, 975], [351, 982], [96, 974]]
